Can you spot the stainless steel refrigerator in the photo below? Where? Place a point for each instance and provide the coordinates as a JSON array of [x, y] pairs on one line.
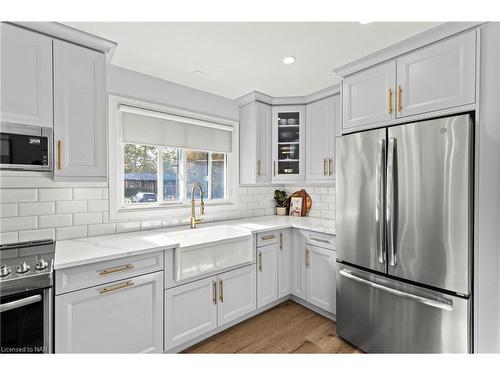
[[404, 237]]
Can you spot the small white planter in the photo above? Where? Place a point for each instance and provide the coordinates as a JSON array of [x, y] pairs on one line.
[[281, 211]]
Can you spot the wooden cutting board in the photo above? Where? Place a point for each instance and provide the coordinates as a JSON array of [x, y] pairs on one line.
[[306, 201]]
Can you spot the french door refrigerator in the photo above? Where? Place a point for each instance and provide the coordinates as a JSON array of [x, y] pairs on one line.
[[404, 237]]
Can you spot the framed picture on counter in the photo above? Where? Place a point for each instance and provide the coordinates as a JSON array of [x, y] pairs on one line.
[[295, 206]]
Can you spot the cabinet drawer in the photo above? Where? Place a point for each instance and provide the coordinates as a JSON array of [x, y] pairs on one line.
[[88, 275], [267, 238], [326, 241]]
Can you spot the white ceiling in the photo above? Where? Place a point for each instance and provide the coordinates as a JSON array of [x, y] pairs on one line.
[[241, 57]]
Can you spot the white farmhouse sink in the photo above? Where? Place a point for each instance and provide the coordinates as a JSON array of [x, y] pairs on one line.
[[210, 249]]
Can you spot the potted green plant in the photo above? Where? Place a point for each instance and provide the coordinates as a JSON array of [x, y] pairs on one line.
[[281, 199]]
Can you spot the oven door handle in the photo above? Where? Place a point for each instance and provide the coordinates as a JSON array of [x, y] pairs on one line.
[[20, 303]]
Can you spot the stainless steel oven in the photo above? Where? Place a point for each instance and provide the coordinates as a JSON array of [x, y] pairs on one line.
[[25, 147], [26, 297]]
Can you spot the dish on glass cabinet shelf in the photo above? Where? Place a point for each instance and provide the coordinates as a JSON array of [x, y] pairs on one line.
[[288, 170], [282, 121], [293, 121]]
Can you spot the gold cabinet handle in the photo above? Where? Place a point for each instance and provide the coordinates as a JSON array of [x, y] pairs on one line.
[[330, 167], [260, 262], [307, 258], [112, 288], [268, 237], [221, 291], [274, 167], [214, 292], [281, 241], [319, 239], [400, 105], [390, 101], [116, 269], [325, 168], [59, 152], [258, 167]]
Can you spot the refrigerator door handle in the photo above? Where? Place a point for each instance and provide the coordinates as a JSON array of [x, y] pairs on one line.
[[379, 200], [448, 305], [391, 201]]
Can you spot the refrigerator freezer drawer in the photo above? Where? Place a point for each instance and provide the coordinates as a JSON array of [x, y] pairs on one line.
[[381, 315]]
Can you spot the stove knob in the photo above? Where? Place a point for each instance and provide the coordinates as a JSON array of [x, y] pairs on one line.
[[4, 271], [23, 268], [41, 264]]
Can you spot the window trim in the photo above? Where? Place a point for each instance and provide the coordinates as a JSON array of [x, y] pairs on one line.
[[118, 211]]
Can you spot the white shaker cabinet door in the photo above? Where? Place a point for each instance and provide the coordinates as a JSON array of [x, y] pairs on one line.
[[26, 77], [298, 270], [320, 278], [236, 294], [321, 123], [368, 96], [79, 111], [263, 115], [190, 311], [437, 77], [267, 275], [284, 263], [120, 317]]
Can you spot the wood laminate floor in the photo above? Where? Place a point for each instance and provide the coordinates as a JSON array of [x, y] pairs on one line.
[[286, 328]]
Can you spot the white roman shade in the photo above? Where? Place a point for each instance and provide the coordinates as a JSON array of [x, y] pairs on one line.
[[151, 127]]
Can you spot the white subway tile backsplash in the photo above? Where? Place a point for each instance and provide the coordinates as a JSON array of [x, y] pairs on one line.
[[101, 229], [87, 193], [128, 226], [39, 234], [150, 224], [105, 193], [12, 224], [54, 221], [97, 205], [55, 194], [8, 237], [18, 195], [71, 207], [36, 208], [8, 209], [87, 218], [66, 233]]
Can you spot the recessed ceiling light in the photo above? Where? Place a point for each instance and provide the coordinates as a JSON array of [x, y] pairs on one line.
[[198, 73], [289, 60]]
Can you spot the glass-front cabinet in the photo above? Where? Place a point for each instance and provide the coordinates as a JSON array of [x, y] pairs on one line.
[[288, 143]]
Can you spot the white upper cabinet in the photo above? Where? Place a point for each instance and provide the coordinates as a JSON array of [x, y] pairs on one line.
[[320, 278], [288, 145], [267, 275], [26, 77], [255, 143], [79, 111], [322, 118], [121, 317], [368, 96], [437, 77], [237, 294], [433, 78]]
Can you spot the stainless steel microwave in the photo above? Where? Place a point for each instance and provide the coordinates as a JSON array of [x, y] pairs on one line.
[[25, 147]]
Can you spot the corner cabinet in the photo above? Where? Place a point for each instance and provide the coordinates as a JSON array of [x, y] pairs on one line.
[[288, 146], [79, 111], [255, 143], [26, 77], [322, 118], [434, 78]]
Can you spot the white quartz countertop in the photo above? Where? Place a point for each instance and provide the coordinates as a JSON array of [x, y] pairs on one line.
[[77, 252]]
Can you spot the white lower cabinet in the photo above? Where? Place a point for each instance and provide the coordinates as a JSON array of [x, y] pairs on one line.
[[267, 275], [190, 311], [198, 307], [119, 317], [298, 266], [284, 263], [320, 278]]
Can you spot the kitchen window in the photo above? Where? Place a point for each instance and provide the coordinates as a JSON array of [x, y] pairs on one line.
[[163, 175], [157, 153]]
